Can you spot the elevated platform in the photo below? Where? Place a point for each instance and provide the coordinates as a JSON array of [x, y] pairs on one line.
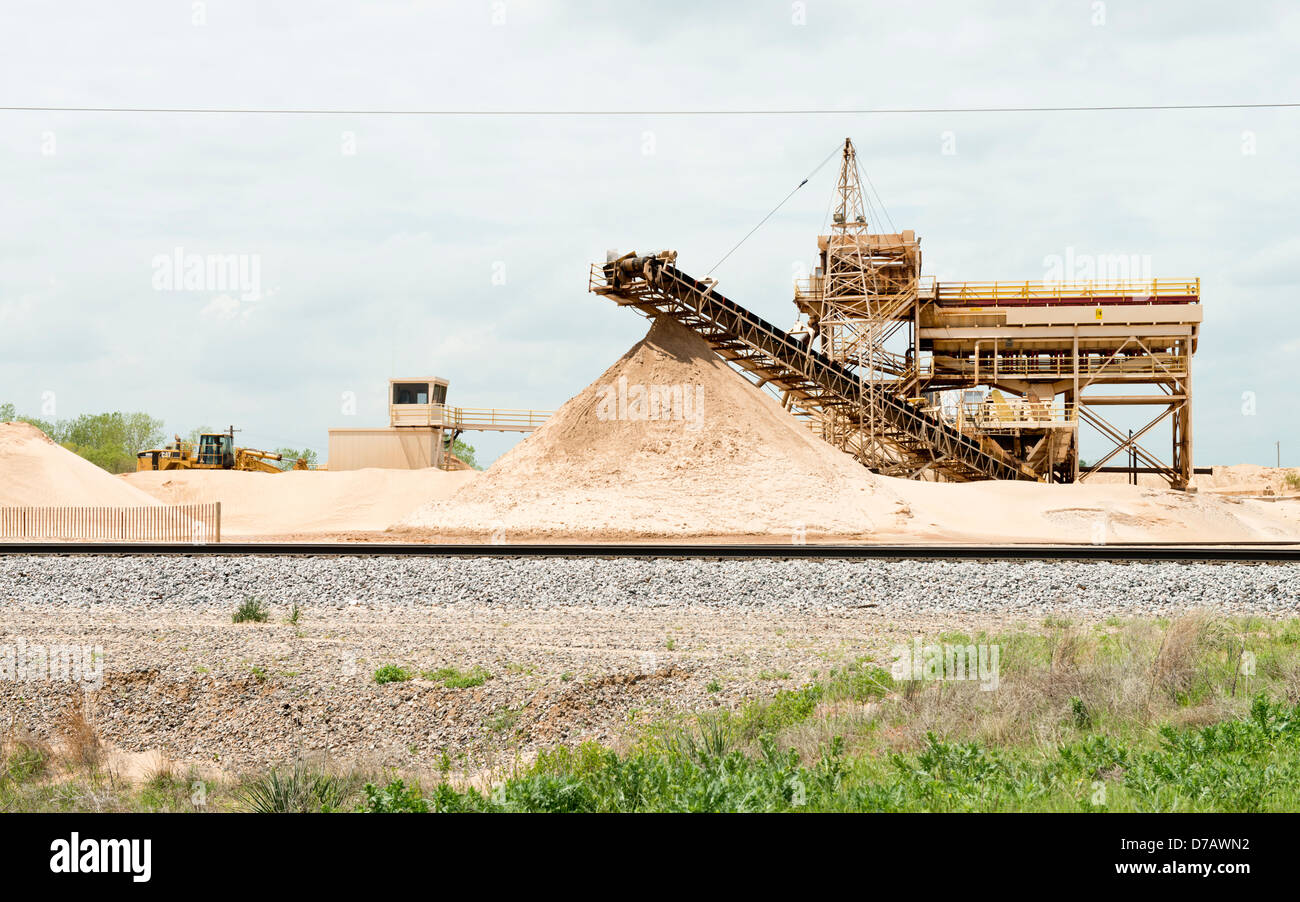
[[464, 419]]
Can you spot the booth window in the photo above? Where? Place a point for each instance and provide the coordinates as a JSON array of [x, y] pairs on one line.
[[410, 393]]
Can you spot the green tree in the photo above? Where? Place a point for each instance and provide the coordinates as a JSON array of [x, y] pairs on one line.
[[111, 440], [9, 414], [289, 458], [466, 453]]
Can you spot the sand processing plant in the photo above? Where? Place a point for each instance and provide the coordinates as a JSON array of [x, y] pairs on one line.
[[953, 381]]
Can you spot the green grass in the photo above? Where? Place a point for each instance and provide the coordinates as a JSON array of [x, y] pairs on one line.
[[1198, 714], [23, 761], [253, 610], [504, 721], [452, 678], [392, 673], [1251, 763], [1136, 716]]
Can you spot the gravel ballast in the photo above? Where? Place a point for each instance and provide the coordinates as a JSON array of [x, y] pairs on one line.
[[961, 587], [576, 649]]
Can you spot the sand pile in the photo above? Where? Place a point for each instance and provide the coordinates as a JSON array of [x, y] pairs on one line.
[[302, 501], [670, 441], [36, 472]]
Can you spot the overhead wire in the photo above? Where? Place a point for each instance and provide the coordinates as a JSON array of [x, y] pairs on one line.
[[772, 212]]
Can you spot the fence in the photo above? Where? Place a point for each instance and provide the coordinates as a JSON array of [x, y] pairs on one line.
[[198, 523]]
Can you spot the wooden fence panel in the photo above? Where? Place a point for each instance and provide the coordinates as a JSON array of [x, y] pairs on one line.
[[195, 523]]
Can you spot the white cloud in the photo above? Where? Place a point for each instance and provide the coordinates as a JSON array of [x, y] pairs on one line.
[[382, 260], [224, 308]]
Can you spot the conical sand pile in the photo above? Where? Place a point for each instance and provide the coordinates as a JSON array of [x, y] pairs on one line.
[[668, 442], [34, 471]]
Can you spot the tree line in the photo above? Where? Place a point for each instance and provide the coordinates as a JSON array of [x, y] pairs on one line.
[[112, 440]]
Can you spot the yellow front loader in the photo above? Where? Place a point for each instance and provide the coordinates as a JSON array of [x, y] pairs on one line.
[[216, 451]]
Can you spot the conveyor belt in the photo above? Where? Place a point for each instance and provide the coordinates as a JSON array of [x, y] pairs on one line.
[[656, 287]]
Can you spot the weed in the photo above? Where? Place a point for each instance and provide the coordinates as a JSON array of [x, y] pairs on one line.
[[81, 744], [24, 758], [392, 673], [452, 678], [394, 798], [504, 720], [253, 610], [298, 790]]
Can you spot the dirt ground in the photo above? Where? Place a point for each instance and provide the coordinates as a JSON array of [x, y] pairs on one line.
[[197, 690]]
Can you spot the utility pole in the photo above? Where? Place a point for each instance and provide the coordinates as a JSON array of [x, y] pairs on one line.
[[1279, 454]]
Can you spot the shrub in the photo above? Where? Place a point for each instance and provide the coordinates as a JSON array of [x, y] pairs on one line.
[[297, 791]]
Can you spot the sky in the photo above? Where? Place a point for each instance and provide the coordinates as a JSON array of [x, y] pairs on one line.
[[459, 245]]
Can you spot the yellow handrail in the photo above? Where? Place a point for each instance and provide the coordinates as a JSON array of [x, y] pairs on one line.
[[1031, 290], [461, 417]]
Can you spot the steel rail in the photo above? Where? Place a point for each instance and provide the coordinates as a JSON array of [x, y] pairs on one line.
[[1275, 552]]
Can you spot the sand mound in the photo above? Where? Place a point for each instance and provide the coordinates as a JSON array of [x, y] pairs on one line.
[[302, 501], [36, 472], [670, 441]]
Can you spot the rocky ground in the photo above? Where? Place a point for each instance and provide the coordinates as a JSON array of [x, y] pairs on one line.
[[576, 648]]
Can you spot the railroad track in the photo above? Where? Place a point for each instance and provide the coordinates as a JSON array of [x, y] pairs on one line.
[[1279, 552]]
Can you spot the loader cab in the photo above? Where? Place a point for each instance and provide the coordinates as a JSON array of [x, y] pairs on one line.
[[168, 457], [217, 449]]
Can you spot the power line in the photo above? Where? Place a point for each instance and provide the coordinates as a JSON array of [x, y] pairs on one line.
[[774, 209], [558, 113]]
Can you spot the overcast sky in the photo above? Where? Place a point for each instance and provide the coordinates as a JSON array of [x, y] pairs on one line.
[[382, 242]]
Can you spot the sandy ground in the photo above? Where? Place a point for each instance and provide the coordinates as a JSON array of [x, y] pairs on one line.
[[301, 501], [1029, 512], [1236, 479]]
